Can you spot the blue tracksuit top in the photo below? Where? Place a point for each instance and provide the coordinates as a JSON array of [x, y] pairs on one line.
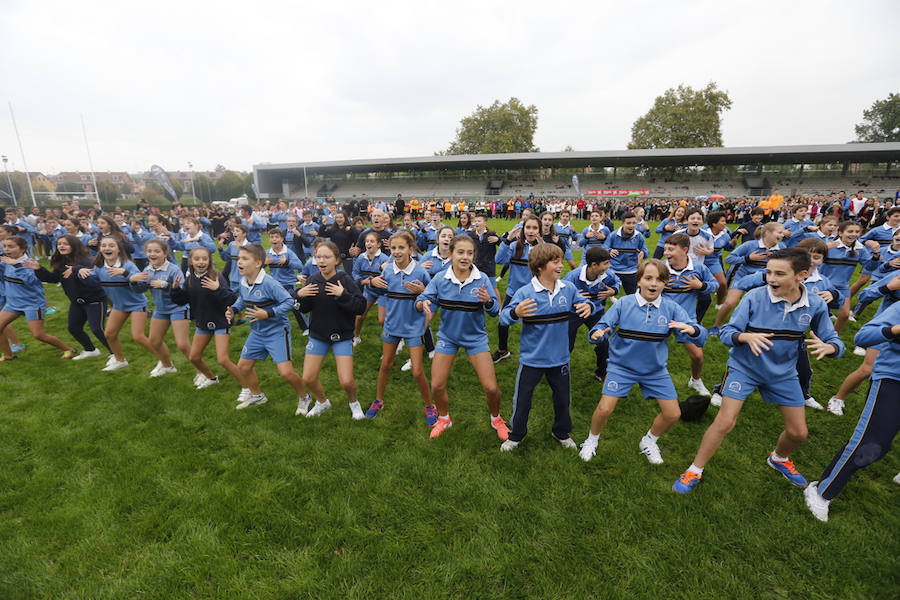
[[745, 266], [678, 291], [401, 319], [254, 236], [591, 289], [877, 332], [629, 248], [639, 331], [266, 293], [462, 315], [642, 228], [438, 264], [586, 242], [2, 283], [23, 289], [797, 229], [162, 297], [815, 282], [872, 292], [720, 241], [186, 243], [230, 252], [840, 263], [280, 219], [308, 232], [761, 312], [284, 273], [703, 237], [140, 237], [545, 335], [566, 233], [885, 268], [519, 272], [365, 268], [118, 288], [664, 233], [882, 234], [427, 238]]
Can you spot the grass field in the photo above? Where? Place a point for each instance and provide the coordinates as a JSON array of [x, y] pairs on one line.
[[113, 485]]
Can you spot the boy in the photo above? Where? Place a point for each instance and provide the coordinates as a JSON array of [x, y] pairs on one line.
[[596, 283], [486, 242], [567, 235], [796, 228], [309, 231], [594, 234], [253, 225], [688, 281], [283, 266], [638, 355], [747, 230], [267, 304], [626, 250], [544, 306], [764, 332]]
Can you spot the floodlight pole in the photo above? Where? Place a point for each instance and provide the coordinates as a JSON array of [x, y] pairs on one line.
[[12, 192], [90, 161], [22, 152], [193, 190], [305, 185]]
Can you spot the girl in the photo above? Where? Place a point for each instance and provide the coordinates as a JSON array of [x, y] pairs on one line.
[[87, 299], [463, 294], [208, 296], [640, 225], [667, 227], [720, 238], [841, 261], [404, 280], [464, 225], [24, 296], [344, 237], [333, 299], [515, 254], [191, 236], [106, 226], [437, 259], [112, 269], [367, 266], [160, 277], [140, 236], [550, 235]]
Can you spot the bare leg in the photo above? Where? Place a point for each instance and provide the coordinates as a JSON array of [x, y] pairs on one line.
[[440, 372], [669, 413], [843, 314], [114, 324], [195, 356], [248, 375], [795, 431], [722, 291], [158, 329], [715, 434], [138, 323], [484, 368], [287, 372], [604, 409], [858, 376], [696, 354], [734, 296], [312, 364], [222, 340], [345, 376], [37, 330], [388, 352]]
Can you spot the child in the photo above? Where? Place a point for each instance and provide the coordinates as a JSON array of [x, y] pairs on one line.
[[798, 226], [436, 260], [638, 355], [486, 243], [191, 237], [404, 280], [626, 250], [883, 235], [267, 305], [230, 254], [462, 293], [24, 296], [515, 254], [112, 269], [544, 306], [721, 239], [688, 282], [763, 334], [594, 234], [283, 265], [841, 261], [550, 236], [595, 282], [668, 226], [208, 296], [567, 234], [879, 422], [366, 267], [9, 334], [333, 300]]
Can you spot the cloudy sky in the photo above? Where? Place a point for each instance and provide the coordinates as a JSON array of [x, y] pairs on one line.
[[243, 83]]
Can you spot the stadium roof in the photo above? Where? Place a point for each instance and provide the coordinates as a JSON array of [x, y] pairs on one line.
[[269, 177]]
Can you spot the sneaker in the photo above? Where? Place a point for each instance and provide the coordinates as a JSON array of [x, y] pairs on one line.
[[374, 409], [155, 371], [115, 365], [716, 399], [86, 354], [500, 355], [719, 306], [407, 366], [68, 354], [651, 450], [441, 424], [431, 355], [17, 347], [599, 378], [588, 449], [851, 318], [110, 358], [51, 310], [787, 469], [713, 331], [356, 411], [836, 406], [897, 479], [431, 415], [357, 341], [567, 442], [811, 403], [198, 378], [501, 427], [207, 382], [686, 482], [302, 405], [697, 386], [508, 445], [4, 359], [252, 400], [613, 300], [817, 505], [833, 317], [245, 393], [318, 409], [859, 351], [164, 371], [400, 345]]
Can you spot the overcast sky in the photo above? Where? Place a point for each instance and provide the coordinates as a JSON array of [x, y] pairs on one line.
[[242, 83]]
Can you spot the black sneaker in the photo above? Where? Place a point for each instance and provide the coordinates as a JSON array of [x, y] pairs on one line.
[[500, 355]]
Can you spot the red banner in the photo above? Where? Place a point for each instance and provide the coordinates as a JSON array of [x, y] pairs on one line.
[[616, 192]]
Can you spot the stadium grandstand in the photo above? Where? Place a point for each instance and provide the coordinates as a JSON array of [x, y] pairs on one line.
[[662, 173]]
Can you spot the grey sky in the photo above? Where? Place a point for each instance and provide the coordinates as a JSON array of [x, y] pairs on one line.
[[243, 83]]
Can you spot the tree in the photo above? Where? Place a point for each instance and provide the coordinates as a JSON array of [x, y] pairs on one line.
[[682, 118], [203, 188], [497, 129], [108, 192], [881, 122], [229, 185], [69, 187], [248, 182]]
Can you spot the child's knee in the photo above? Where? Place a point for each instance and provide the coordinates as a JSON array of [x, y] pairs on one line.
[[798, 432], [309, 380], [671, 412], [724, 424]]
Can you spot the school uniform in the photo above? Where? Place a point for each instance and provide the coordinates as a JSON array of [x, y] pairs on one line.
[[427, 238], [255, 229], [798, 231], [519, 275], [230, 255], [401, 320], [686, 297], [163, 307], [332, 319], [883, 234], [840, 263], [720, 241], [24, 291], [207, 306], [486, 253], [87, 303], [185, 243], [743, 264], [586, 243], [875, 291], [285, 274], [367, 268], [308, 233], [139, 237], [438, 263], [885, 267], [664, 235], [271, 336], [590, 289], [118, 287], [625, 263]]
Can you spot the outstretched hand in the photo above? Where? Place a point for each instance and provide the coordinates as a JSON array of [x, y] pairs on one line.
[[599, 333], [817, 347]]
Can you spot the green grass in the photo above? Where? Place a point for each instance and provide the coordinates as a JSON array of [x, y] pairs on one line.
[[114, 485]]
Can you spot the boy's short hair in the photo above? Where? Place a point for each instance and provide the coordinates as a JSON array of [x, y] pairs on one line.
[[661, 268], [242, 227], [257, 252], [692, 211], [892, 211], [597, 211], [797, 208], [628, 215], [542, 254], [679, 239], [813, 246], [275, 231], [713, 217], [757, 211], [798, 257], [596, 255]]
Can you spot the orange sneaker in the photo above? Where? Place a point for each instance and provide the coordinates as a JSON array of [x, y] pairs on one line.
[[442, 424], [502, 429]]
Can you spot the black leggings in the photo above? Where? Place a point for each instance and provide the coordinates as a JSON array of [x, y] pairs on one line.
[[503, 330], [95, 314]]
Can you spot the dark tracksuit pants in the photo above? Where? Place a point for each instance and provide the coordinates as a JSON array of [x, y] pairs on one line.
[[526, 380], [629, 282], [601, 350], [301, 320], [878, 425], [804, 369], [95, 314], [503, 330]]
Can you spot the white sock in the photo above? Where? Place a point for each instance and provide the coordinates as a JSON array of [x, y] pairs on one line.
[[651, 437], [245, 390], [695, 469], [777, 458], [354, 404], [593, 439], [494, 417]]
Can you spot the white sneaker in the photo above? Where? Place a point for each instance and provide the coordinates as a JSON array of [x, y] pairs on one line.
[[851, 318], [588, 450], [859, 351], [815, 502], [115, 365], [400, 345], [207, 382], [302, 405], [110, 359], [719, 306], [716, 399], [651, 450], [86, 354], [356, 411], [163, 371], [252, 400], [811, 403], [836, 406], [407, 366], [357, 341], [198, 378], [566, 443], [318, 408], [613, 300], [897, 479], [833, 317], [431, 354], [508, 445], [305, 332], [245, 393], [155, 371], [697, 386]]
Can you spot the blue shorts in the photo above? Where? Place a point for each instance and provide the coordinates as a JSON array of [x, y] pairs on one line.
[[258, 347], [373, 296], [844, 291], [226, 331], [412, 342], [714, 266], [619, 382], [30, 314], [321, 347], [446, 346], [785, 392], [183, 314], [130, 308]]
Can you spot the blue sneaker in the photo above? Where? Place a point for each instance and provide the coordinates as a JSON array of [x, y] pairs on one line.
[[374, 409], [17, 347], [713, 331], [787, 469], [431, 415], [686, 482]]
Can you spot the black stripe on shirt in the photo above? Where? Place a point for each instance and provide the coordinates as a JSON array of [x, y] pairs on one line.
[[9, 279], [114, 283], [402, 295], [780, 334], [519, 261], [642, 336], [849, 262], [460, 305], [545, 319], [263, 304]]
